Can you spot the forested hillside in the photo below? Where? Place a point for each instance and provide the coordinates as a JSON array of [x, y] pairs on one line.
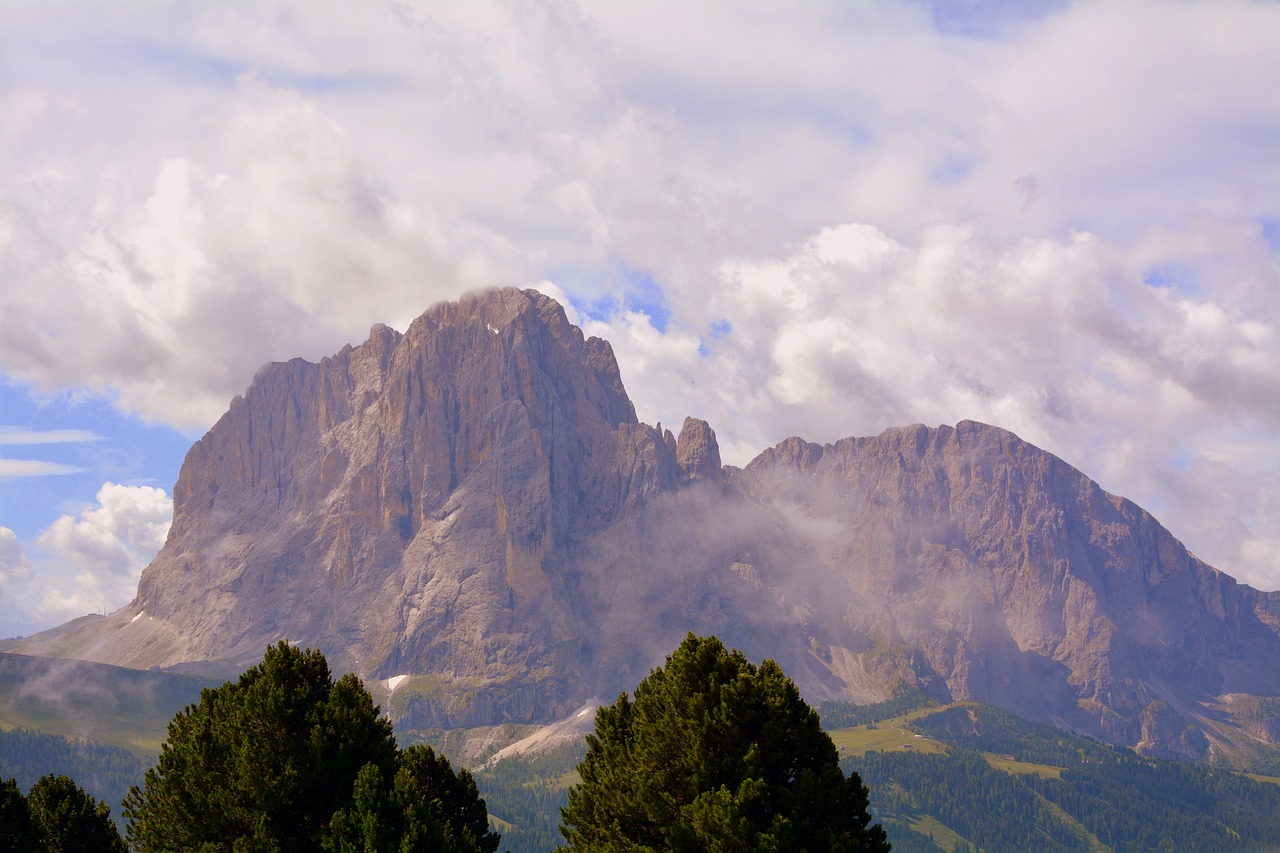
[[1001, 783], [525, 795], [976, 778], [958, 777], [105, 772]]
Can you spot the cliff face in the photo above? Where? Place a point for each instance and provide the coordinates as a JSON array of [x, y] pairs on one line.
[[405, 505], [473, 505], [994, 571]]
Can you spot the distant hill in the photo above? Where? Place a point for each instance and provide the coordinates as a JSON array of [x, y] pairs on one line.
[[113, 705], [470, 516], [104, 772], [1001, 783], [968, 776]]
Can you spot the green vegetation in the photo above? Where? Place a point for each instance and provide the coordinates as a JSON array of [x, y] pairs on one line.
[[55, 816], [111, 705], [983, 728], [1036, 787], [715, 754], [1272, 780], [938, 833], [987, 808], [1129, 805], [527, 793], [891, 736], [105, 772], [1137, 804], [959, 778], [906, 697], [287, 759], [425, 807], [467, 746], [1009, 765], [1252, 747]]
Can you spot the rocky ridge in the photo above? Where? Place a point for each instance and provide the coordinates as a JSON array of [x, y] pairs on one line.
[[471, 515]]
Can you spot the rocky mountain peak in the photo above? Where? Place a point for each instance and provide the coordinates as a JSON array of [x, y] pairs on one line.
[[697, 452], [470, 514]]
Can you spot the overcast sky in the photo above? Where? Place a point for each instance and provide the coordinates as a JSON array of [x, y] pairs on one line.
[[814, 219]]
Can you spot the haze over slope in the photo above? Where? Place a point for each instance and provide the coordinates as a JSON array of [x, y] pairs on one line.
[[473, 505]]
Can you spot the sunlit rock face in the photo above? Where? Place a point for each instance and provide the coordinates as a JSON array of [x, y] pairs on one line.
[[1004, 575], [472, 510]]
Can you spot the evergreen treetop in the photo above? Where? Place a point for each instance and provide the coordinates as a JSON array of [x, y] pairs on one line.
[[289, 759], [715, 754]]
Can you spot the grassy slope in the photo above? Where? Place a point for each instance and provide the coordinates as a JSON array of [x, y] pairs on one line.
[[1054, 751], [1009, 765], [123, 707], [887, 736]]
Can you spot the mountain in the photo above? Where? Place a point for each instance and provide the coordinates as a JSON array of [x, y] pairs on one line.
[[471, 517]]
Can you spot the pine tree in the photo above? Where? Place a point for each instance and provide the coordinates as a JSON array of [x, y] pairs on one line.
[[427, 807], [288, 759], [19, 831], [55, 816], [715, 754], [70, 820], [429, 789]]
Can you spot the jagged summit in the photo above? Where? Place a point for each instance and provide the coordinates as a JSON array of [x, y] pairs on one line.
[[409, 505], [472, 512]]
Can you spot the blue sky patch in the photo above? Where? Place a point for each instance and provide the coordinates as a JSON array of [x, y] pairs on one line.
[[989, 19], [1271, 232], [90, 441], [220, 73], [952, 169], [641, 293], [185, 65], [628, 289], [1165, 275]]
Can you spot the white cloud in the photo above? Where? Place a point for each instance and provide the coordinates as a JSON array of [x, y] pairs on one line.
[[1142, 386], [1057, 225], [128, 525], [20, 435], [84, 563], [260, 245], [34, 468], [11, 468], [14, 567]]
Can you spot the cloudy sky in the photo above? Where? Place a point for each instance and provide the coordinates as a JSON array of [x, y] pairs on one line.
[[820, 219]]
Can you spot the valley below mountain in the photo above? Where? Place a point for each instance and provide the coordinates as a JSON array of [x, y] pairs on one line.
[[470, 516]]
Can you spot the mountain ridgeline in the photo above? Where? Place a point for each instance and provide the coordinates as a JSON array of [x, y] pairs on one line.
[[470, 516]]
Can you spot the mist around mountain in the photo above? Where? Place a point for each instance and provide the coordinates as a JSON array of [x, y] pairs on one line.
[[470, 516]]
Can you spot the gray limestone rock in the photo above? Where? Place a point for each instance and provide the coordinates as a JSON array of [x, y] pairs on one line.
[[471, 515], [697, 452]]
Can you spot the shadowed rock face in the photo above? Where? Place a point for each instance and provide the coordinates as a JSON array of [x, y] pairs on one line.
[[473, 504]]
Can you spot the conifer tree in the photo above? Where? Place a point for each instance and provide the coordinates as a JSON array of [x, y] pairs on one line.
[[19, 831], [70, 820], [427, 807], [715, 754], [431, 790], [288, 759], [55, 816]]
